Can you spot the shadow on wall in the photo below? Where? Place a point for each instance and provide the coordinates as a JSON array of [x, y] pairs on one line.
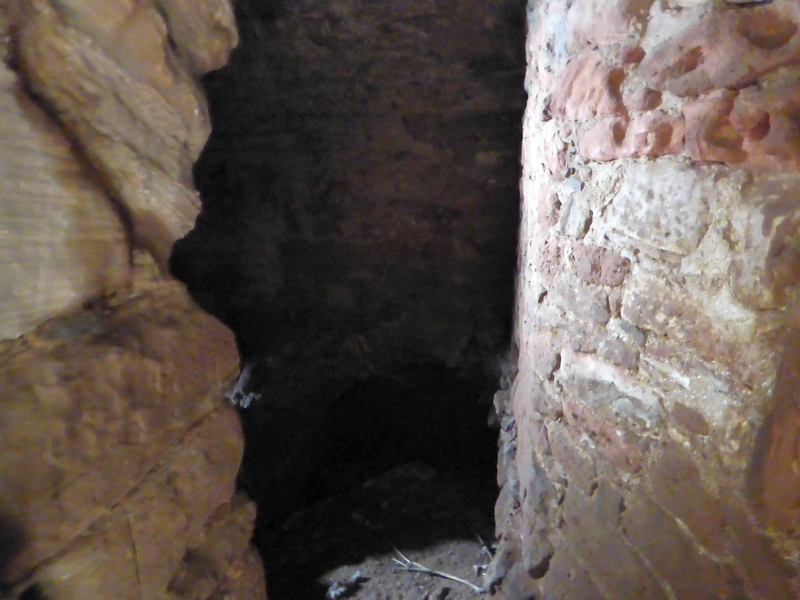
[[361, 179]]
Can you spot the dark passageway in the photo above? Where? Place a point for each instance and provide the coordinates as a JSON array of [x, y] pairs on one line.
[[358, 234]]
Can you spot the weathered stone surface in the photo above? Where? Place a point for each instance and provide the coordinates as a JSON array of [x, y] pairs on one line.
[[672, 215], [567, 579], [726, 49], [548, 260], [642, 99], [100, 564], [63, 242], [615, 569], [111, 393], [605, 21], [169, 508], [244, 580], [587, 302], [127, 99], [687, 572], [219, 548], [678, 488], [574, 458], [600, 266], [690, 419], [764, 270], [651, 134], [133, 552], [766, 120], [764, 572], [204, 32], [588, 88], [710, 135], [670, 424]]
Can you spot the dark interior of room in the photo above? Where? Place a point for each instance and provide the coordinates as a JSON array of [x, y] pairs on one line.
[[358, 234]]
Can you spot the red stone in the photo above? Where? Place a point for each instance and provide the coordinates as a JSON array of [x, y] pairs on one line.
[[588, 88], [727, 49], [651, 134], [642, 99], [710, 135], [632, 55], [767, 122], [599, 266], [678, 488]]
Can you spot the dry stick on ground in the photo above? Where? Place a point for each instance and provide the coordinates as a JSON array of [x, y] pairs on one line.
[[406, 564]]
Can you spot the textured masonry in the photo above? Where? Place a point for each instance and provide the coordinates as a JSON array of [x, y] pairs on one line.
[[650, 437]]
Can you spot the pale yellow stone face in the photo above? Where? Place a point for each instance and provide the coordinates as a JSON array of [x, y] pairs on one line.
[[123, 79], [61, 238]]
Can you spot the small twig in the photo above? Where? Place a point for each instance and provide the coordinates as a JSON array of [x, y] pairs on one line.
[[484, 548], [409, 565]]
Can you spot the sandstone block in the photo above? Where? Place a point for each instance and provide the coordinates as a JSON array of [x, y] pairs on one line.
[[588, 88], [642, 99], [555, 150], [611, 444], [244, 580], [689, 418], [662, 204], [599, 266], [204, 32], [614, 567], [127, 100], [766, 121], [572, 456], [567, 579], [112, 393], [669, 311], [764, 269], [671, 554], [710, 135], [726, 49], [651, 134], [544, 358], [601, 22], [101, 563], [62, 240], [548, 207], [222, 545], [133, 552], [548, 259], [172, 504], [585, 301], [678, 488], [764, 572]]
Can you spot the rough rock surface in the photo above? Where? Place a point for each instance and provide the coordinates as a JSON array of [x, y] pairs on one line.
[[650, 434], [117, 451], [123, 81], [58, 227], [360, 187], [119, 455]]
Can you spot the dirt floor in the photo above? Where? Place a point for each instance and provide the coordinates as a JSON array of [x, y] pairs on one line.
[[349, 545], [349, 475]]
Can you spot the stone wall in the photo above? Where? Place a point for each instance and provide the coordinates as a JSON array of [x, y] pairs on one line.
[[360, 187], [119, 456], [650, 437]]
